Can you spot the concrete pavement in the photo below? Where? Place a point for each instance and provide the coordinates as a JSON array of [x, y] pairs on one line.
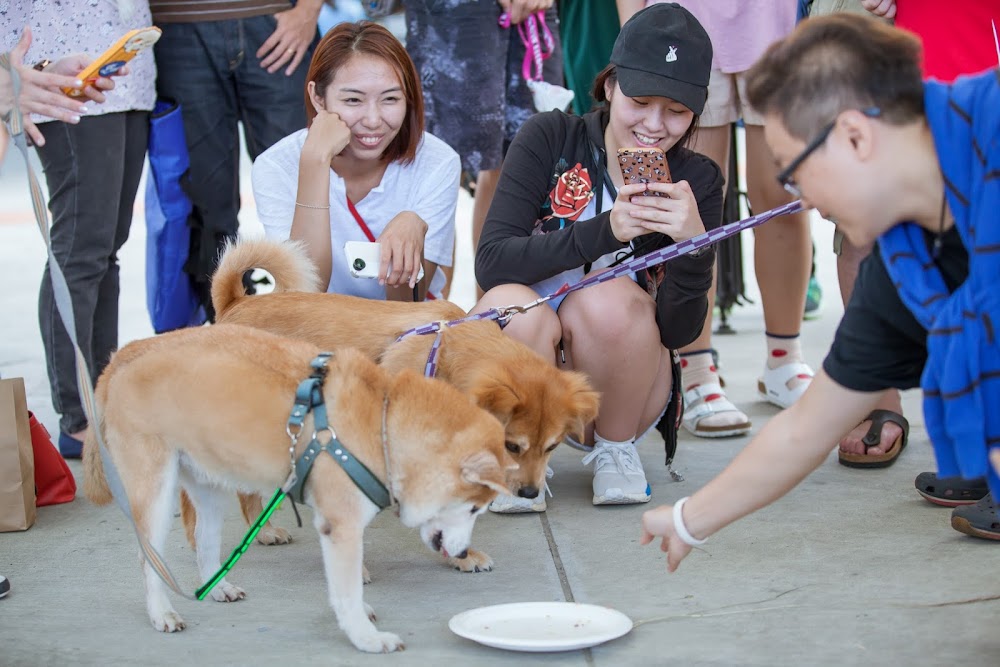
[[851, 568]]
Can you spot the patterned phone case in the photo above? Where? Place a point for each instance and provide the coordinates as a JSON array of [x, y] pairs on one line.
[[116, 57], [643, 165]]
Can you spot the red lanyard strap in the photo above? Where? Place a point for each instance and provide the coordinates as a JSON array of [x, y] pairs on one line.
[[360, 220]]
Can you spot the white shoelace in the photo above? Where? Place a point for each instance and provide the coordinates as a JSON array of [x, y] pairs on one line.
[[624, 456]]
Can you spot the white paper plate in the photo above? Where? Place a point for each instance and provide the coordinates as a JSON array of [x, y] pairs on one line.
[[541, 626]]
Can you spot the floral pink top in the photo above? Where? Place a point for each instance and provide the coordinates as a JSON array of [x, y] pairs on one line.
[[62, 27]]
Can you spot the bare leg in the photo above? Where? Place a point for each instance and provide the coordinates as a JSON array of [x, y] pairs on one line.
[[782, 262], [711, 415], [712, 142], [782, 248], [539, 328], [848, 261], [449, 273], [610, 333], [486, 187]]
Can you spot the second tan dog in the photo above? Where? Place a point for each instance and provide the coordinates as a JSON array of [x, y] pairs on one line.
[[537, 403]]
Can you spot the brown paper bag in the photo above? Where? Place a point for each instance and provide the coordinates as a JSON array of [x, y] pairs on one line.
[[17, 462]]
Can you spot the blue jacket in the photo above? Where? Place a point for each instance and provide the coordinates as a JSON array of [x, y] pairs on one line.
[[961, 380]]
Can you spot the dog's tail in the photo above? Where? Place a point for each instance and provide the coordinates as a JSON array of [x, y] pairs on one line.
[[95, 484], [287, 263]]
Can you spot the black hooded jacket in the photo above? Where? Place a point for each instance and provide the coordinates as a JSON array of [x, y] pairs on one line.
[[546, 147]]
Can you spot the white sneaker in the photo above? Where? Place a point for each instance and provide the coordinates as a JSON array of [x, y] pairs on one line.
[[618, 475], [519, 505]]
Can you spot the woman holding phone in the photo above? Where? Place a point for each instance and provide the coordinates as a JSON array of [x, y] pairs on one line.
[[562, 210], [363, 170], [92, 160]]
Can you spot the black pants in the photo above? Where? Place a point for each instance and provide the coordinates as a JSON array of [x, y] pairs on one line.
[[92, 170]]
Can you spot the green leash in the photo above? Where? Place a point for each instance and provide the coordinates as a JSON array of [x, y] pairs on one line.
[[309, 398], [238, 552]]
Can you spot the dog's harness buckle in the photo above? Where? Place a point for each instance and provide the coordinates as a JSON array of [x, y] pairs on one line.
[[309, 398]]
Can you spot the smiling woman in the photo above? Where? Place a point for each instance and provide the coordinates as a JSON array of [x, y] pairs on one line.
[[561, 212], [364, 170]]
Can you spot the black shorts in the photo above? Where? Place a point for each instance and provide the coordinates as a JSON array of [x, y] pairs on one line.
[[475, 96]]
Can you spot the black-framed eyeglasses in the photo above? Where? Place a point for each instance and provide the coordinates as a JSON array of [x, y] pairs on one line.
[[785, 177]]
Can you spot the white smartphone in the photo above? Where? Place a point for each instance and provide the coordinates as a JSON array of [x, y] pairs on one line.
[[363, 259]]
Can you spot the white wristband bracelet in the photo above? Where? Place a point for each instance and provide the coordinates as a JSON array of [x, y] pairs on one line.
[[682, 531]]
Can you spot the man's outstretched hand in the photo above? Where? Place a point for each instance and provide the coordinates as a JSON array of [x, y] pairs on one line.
[[659, 522]]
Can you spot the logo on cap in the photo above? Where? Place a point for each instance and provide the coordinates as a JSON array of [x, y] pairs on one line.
[[671, 54]]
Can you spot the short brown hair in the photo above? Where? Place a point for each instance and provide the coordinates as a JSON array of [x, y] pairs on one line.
[[347, 39], [834, 63]]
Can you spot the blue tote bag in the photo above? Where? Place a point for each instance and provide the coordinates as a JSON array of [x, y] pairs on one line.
[[170, 296]]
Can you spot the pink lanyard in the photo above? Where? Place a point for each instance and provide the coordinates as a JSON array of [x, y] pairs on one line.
[[538, 43]]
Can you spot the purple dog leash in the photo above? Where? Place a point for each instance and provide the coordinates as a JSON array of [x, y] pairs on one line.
[[504, 314]]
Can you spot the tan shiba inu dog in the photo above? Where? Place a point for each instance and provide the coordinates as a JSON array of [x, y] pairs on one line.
[[206, 409], [537, 403]]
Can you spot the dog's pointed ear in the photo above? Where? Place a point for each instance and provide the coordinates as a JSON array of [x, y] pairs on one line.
[[484, 468], [582, 402], [492, 392]]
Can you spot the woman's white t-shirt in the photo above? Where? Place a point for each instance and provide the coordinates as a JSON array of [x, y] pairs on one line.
[[428, 186]]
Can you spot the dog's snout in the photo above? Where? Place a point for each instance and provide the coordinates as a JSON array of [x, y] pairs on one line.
[[464, 554], [528, 492], [436, 541]]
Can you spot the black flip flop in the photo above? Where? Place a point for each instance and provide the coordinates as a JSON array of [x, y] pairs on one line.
[[873, 437], [950, 491]]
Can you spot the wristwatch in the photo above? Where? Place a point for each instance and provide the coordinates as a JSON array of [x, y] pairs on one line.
[[42, 64]]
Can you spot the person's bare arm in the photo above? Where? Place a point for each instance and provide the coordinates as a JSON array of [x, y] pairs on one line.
[[626, 8], [327, 137], [786, 450]]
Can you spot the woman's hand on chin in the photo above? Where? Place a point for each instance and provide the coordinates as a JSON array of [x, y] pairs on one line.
[[328, 136], [402, 244]]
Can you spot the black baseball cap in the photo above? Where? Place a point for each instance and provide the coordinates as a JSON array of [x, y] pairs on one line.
[[663, 51]]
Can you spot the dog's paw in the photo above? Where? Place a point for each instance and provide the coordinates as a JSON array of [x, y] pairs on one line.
[[270, 535], [475, 561], [169, 621], [379, 642], [370, 612], [366, 577], [226, 592]]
